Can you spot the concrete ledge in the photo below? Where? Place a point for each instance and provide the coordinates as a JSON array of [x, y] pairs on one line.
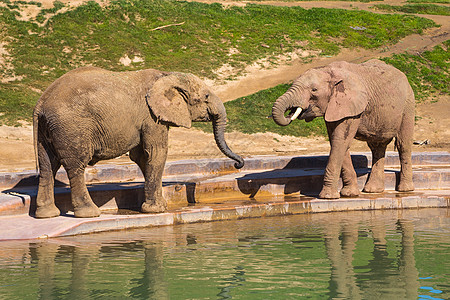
[[182, 190], [131, 172], [26, 227]]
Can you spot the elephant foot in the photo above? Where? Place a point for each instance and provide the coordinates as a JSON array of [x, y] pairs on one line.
[[50, 211], [328, 193], [88, 211], [405, 186], [350, 191], [151, 207], [371, 188]]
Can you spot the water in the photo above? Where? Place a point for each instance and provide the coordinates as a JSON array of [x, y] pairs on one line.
[[355, 255]]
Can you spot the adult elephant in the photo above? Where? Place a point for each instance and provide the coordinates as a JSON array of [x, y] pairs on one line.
[[372, 102], [90, 114]]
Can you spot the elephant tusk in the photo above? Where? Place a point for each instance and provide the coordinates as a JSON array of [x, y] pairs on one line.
[[296, 114]]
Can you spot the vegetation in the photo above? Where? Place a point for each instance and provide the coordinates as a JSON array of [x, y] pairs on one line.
[[321, 0], [429, 1], [429, 9], [199, 40], [427, 72]]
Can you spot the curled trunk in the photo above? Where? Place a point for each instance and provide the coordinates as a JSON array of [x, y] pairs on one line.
[[286, 102], [219, 123]]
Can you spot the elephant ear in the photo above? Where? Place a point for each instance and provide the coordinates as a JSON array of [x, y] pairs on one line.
[[167, 99], [348, 98]]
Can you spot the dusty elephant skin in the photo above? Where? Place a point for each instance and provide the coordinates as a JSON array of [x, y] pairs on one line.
[[372, 102], [90, 114]]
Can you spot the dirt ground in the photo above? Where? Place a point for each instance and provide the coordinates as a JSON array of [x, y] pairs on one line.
[[432, 126]]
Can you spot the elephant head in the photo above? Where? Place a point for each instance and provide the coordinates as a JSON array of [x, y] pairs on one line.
[[180, 98], [333, 92]]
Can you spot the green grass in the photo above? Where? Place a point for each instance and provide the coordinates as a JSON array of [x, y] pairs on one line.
[[15, 4], [57, 5], [409, 1], [42, 51], [428, 72], [429, 1], [428, 9], [319, 0], [249, 115]]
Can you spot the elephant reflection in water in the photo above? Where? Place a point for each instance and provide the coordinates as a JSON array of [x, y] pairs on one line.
[[340, 244], [152, 284], [48, 256], [82, 257], [45, 254], [343, 280], [407, 261]]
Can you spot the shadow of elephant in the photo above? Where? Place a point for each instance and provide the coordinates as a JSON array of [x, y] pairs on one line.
[[302, 175], [125, 196]]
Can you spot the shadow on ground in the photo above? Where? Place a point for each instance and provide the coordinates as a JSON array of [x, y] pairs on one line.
[[301, 174]]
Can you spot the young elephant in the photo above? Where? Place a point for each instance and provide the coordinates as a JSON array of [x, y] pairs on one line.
[[90, 114], [372, 102]]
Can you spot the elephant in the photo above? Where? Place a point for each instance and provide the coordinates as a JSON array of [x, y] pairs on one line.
[[91, 114], [372, 102]]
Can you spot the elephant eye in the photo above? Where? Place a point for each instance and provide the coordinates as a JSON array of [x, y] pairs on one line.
[[314, 89]]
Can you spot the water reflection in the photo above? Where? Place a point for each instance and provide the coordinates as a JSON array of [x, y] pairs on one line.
[[236, 280], [44, 254], [360, 255], [152, 284], [396, 277], [340, 242]]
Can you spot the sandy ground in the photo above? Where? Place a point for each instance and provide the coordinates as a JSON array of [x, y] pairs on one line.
[[433, 124]]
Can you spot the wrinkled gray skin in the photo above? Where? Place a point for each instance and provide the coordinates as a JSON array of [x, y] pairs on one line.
[[90, 114], [372, 102]]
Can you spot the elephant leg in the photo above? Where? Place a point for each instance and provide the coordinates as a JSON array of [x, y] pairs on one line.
[[404, 143], [83, 206], [375, 182], [151, 158], [341, 134], [138, 155], [48, 166], [349, 178]]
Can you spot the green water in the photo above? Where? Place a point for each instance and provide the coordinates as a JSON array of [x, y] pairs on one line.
[[355, 255]]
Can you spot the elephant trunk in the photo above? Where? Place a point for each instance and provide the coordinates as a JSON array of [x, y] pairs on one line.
[[286, 102], [219, 119]]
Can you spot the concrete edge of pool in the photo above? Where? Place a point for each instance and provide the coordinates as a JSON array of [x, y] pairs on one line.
[[21, 227], [211, 190]]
